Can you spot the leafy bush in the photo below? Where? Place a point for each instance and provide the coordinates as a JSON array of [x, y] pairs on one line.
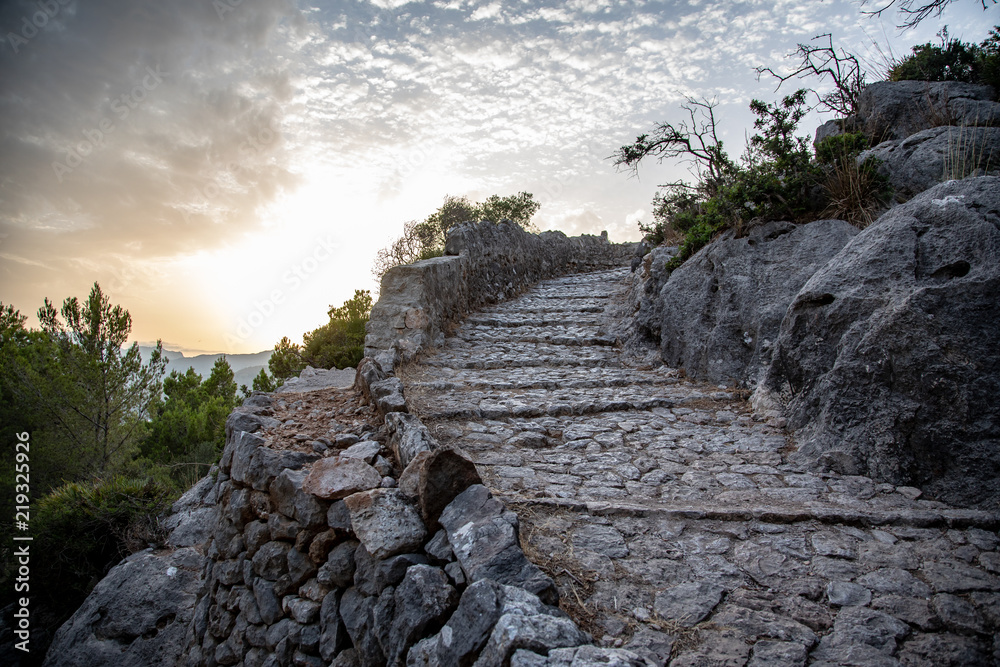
[[424, 240], [84, 529], [340, 343], [776, 179], [855, 192], [953, 60]]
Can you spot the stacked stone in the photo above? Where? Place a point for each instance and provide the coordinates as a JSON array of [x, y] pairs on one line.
[[672, 519], [332, 561]]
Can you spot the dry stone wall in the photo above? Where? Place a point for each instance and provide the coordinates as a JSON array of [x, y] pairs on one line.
[[483, 263], [315, 543]]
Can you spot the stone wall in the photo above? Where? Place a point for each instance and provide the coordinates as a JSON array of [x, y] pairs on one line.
[[483, 263]]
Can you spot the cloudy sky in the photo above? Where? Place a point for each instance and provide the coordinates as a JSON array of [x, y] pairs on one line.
[[227, 169]]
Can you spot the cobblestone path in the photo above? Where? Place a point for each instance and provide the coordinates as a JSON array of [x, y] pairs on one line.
[[671, 518]]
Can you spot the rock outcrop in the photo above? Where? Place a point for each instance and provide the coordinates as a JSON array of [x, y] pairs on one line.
[[720, 311], [926, 158], [888, 360]]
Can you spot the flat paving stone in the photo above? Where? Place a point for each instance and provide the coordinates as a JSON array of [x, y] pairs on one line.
[[653, 500]]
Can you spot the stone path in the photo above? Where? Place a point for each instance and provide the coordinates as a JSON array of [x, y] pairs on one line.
[[671, 519]]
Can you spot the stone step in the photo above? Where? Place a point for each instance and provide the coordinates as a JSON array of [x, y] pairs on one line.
[[513, 320], [487, 337], [538, 378], [517, 355]]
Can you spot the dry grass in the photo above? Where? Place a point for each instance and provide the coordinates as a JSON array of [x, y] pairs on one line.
[[967, 154], [856, 194]]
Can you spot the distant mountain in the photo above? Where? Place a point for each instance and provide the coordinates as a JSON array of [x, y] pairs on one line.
[[245, 366]]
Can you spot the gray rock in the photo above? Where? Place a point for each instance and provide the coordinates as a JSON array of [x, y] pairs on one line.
[[688, 604], [945, 650], [874, 356], [441, 476], [293, 501], [466, 632], [312, 379], [438, 547], [282, 528], [266, 464], [337, 478], [408, 437], [338, 570], [957, 614], [897, 581], [605, 540], [955, 577], [372, 576], [301, 610], [525, 623], [138, 615], [486, 544], [579, 656], [767, 653], [192, 527], [356, 611], [722, 309], [757, 623], [898, 109], [861, 632], [367, 451], [333, 634], [846, 594], [300, 567], [922, 160], [422, 599], [385, 522], [338, 517], [484, 262], [722, 648], [271, 560], [268, 602]]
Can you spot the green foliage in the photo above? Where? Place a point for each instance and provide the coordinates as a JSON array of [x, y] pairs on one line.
[[840, 147], [83, 529], [952, 60], [340, 343], [188, 429], [286, 360], [83, 395], [776, 178], [265, 382], [424, 240]]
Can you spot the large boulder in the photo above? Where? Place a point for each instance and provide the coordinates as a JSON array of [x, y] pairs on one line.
[[720, 311], [137, 615], [928, 157], [898, 109], [888, 360]]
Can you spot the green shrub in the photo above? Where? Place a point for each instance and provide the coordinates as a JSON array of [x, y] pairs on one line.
[[953, 60], [776, 179], [84, 529]]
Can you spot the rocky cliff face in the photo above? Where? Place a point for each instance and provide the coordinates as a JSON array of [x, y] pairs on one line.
[[878, 347]]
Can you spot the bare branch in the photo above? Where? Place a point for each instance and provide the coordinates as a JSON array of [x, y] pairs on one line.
[[823, 60], [694, 140], [915, 12]]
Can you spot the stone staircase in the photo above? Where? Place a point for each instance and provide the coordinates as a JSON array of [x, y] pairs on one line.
[[671, 518]]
